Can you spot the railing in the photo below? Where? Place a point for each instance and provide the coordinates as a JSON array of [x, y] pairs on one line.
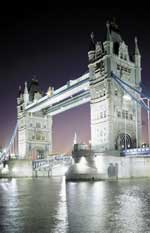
[[136, 152], [50, 162]]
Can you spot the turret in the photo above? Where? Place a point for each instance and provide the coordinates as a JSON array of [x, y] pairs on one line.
[[26, 94], [108, 45], [91, 53], [137, 58], [50, 91], [137, 53]]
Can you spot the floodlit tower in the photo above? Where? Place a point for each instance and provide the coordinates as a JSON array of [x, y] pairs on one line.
[[34, 129], [110, 111]]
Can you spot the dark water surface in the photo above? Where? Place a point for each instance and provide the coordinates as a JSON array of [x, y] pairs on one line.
[[44, 205]]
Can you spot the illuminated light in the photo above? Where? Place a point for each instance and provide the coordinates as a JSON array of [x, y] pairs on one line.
[[83, 162], [4, 150], [5, 169], [14, 169], [49, 92], [99, 163], [127, 97]]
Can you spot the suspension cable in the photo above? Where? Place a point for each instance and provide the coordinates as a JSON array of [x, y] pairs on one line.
[[121, 83]]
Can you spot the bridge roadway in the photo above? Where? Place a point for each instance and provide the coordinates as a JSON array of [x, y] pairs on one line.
[[73, 94]]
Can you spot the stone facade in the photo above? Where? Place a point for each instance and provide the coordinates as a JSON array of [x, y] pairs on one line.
[[115, 119], [34, 129]]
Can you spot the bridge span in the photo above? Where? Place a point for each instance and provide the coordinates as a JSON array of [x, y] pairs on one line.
[[74, 93]]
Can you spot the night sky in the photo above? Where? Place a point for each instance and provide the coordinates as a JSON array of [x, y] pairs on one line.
[[53, 44]]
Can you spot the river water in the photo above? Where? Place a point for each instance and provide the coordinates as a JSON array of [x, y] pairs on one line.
[[42, 205]]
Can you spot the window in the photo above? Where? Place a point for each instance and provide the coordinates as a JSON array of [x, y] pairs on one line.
[[38, 125], [131, 117], [116, 48], [104, 113], [38, 136], [43, 137], [126, 114], [116, 92], [30, 124], [118, 67], [119, 114], [123, 114], [29, 146]]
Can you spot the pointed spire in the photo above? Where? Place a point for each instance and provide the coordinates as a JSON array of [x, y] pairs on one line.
[[92, 42], [49, 91], [137, 52], [19, 90], [26, 94], [108, 37], [26, 88], [75, 139], [92, 36]]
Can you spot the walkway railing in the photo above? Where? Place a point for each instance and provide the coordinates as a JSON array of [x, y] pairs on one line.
[[50, 162], [136, 152]]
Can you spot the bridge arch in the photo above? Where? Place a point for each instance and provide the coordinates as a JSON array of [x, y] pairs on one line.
[[37, 153], [124, 140]]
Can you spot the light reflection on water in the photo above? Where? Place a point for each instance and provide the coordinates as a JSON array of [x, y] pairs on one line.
[[44, 205]]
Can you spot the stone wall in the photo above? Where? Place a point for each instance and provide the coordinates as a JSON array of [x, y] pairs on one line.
[[17, 168]]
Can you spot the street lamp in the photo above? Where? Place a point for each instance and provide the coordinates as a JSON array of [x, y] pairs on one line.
[[126, 98]]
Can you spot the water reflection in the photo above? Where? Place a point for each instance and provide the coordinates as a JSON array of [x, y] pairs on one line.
[[52, 205], [115, 207], [62, 214]]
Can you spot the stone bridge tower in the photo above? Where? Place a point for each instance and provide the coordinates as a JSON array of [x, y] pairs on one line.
[[34, 129], [115, 118]]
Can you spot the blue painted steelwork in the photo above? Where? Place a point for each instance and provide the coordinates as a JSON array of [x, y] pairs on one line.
[[136, 152], [122, 84]]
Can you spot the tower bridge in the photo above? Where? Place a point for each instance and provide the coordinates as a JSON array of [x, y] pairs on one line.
[[113, 76]]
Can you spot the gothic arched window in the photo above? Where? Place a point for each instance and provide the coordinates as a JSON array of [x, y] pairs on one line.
[[116, 48]]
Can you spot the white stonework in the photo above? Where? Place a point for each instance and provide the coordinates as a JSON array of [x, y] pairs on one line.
[[112, 115], [34, 130]]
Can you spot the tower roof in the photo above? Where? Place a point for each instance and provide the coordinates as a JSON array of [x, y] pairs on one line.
[[34, 88], [114, 31]]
